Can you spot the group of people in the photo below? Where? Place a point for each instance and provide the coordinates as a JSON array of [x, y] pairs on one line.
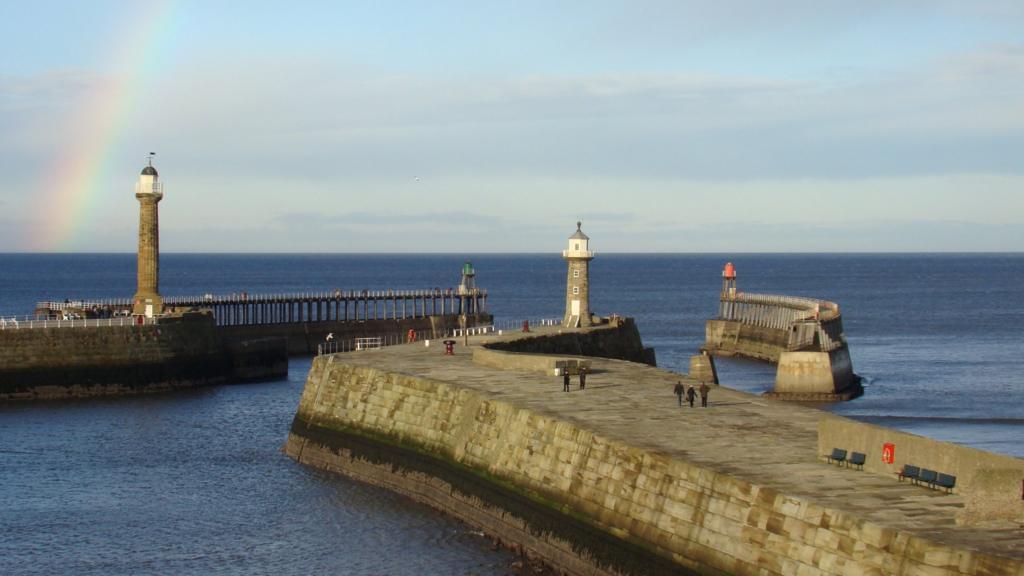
[[583, 379], [691, 393], [680, 390]]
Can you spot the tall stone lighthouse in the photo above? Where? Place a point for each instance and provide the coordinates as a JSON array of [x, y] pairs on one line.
[[149, 191], [577, 286]]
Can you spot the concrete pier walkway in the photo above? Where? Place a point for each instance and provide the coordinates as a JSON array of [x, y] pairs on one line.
[[767, 442]]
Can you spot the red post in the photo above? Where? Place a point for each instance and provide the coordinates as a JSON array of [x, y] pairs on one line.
[[526, 325]]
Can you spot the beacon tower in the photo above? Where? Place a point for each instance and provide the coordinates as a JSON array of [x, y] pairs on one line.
[[148, 191], [729, 281], [467, 289], [577, 287], [727, 306]]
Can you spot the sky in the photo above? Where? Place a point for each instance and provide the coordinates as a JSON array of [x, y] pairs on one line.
[[675, 126]]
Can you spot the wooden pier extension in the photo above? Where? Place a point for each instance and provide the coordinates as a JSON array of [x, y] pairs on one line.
[[309, 319], [334, 306]]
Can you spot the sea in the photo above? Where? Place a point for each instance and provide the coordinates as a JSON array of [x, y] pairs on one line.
[[195, 482]]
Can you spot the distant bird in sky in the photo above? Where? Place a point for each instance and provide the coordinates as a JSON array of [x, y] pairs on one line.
[[417, 178]]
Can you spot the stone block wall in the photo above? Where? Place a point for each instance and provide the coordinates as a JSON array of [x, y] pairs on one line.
[[814, 372], [303, 337], [109, 360], [53, 362], [702, 368], [258, 359], [620, 341], [529, 362], [728, 338], [587, 503]]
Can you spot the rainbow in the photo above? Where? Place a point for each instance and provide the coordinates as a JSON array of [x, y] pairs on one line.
[[80, 175]]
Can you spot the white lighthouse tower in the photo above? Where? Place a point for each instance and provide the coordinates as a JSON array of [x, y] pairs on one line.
[[577, 286]]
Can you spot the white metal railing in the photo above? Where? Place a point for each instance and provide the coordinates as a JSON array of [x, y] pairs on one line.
[[322, 296], [334, 346], [578, 253], [239, 297], [84, 304], [806, 320], [518, 324], [368, 343], [31, 323], [337, 346], [474, 331], [797, 302]]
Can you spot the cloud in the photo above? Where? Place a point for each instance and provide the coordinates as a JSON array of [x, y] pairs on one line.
[[588, 216], [363, 221], [316, 122], [34, 109], [313, 155], [957, 115], [523, 236]]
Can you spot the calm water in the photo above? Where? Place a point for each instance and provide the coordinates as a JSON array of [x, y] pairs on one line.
[[195, 483]]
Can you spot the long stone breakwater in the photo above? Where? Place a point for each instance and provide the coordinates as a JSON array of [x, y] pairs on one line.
[[617, 478]]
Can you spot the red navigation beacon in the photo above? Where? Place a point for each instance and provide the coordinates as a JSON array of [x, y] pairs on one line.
[[729, 281]]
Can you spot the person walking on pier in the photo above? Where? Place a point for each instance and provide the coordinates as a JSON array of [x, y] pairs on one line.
[[583, 377], [565, 381], [704, 394], [691, 393], [679, 392]]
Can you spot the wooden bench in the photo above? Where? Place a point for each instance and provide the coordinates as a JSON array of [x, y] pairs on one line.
[[838, 456], [927, 476], [857, 459]]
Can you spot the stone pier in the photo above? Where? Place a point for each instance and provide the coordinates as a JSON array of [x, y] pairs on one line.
[[618, 479]]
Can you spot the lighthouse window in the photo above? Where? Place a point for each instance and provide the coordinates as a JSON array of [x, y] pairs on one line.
[[575, 273], [575, 289], [577, 246]]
